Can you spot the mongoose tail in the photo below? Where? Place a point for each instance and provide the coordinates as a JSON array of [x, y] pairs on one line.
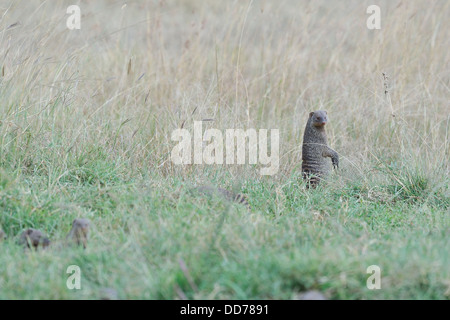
[[315, 150], [229, 195]]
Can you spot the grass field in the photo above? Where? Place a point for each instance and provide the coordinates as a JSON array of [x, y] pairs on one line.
[[86, 118]]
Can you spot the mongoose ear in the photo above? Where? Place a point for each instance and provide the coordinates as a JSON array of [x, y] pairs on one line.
[[311, 114]]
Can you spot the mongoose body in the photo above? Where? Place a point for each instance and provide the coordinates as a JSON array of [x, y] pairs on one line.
[[79, 233], [2, 235], [315, 150], [230, 196], [32, 238]]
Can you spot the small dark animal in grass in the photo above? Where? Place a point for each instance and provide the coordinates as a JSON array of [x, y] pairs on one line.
[[2, 235], [32, 238], [229, 195], [315, 150], [79, 233]]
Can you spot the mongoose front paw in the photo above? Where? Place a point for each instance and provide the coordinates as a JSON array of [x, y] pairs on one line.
[[335, 163]]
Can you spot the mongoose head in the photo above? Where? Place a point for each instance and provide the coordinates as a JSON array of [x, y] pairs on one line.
[[32, 238], [79, 232], [81, 226], [318, 118]]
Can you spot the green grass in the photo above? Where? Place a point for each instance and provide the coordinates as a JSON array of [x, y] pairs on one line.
[[155, 239]]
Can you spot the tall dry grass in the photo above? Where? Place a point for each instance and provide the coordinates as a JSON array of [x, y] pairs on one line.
[[136, 72]]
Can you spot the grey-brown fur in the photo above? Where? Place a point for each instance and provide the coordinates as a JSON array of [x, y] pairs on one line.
[[315, 150], [2, 235], [32, 238], [79, 233], [229, 195]]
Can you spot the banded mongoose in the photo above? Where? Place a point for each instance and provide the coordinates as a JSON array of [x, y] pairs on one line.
[[229, 195], [32, 238], [79, 233], [315, 150]]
